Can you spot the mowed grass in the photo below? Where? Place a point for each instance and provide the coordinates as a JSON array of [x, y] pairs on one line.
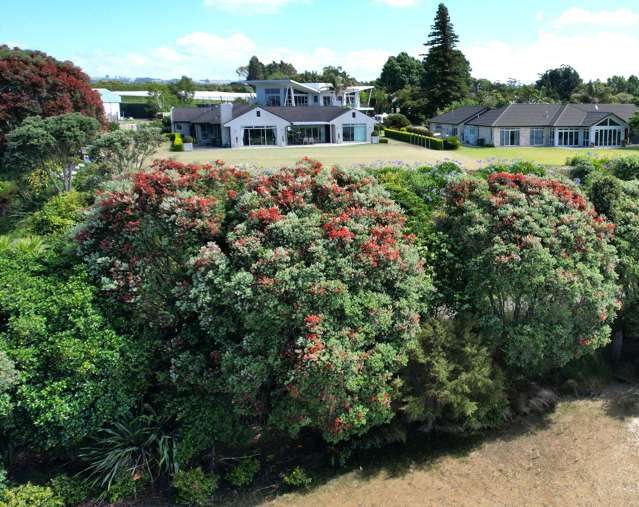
[[394, 153]]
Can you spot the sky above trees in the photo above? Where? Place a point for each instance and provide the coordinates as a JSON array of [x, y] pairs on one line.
[[211, 38]]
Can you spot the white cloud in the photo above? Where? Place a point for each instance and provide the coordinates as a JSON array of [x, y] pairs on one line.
[[398, 3], [539, 16], [576, 16], [248, 6], [207, 55], [593, 54]]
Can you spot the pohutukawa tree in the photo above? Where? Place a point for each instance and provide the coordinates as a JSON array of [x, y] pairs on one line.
[[534, 261], [312, 301], [446, 77], [142, 231], [35, 84]]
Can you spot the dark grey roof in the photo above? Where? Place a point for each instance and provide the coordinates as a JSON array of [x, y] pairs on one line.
[[488, 118], [307, 113], [211, 114], [534, 115], [197, 114], [459, 115], [552, 115], [623, 111], [240, 109]]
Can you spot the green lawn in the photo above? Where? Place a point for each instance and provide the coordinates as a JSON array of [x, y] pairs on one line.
[[395, 151]]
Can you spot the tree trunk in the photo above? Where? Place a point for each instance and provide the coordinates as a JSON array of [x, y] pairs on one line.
[[617, 346]]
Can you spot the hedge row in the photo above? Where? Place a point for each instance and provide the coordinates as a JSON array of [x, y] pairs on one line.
[[408, 137]]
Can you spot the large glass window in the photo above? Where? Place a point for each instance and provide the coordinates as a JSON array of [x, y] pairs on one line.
[[273, 97], [568, 137], [312, 134], [259, 136], [327, 100], [509, 137], [301, 99], [354, 133], [536, 137]]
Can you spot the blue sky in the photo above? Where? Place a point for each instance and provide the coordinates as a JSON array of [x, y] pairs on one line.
[[211, 38]]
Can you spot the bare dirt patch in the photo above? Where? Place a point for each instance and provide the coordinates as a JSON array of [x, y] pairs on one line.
[[585, 453]]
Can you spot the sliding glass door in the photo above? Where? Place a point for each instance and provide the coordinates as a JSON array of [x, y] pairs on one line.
[[509, 137], [354, 133], [259, 136]]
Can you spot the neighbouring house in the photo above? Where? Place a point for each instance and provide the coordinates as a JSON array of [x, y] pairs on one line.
[[285, 112], [111, 103], [568, 125]]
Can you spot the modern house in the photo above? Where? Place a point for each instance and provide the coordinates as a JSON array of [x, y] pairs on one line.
[[568, 125], [288, 92], [111, 103], [285, 113]]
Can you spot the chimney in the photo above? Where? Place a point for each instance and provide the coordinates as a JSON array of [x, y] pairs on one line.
[[226, 112]]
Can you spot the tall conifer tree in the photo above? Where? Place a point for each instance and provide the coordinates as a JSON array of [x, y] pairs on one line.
[[446, 70]]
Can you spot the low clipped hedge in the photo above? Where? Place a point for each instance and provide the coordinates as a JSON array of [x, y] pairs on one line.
[[431, 143]]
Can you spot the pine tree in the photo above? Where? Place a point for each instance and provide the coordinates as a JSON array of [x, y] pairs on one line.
[[255, 69], [446, 70]]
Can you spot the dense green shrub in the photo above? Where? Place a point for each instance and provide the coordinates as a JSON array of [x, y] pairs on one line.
[[419, 192], [517, 167], [427, 142], [59, 214], [75, 371], [581, 167], [125, 487], [422, 131], [30, 495], [534, 262], [625, 168], [297, 478], [619, 202], [243, 473], [193, 487], [396, 121], [177, 144], [8, 378], [312, 302], [450, 379], [383, 140], [72, 490], [452, 143]]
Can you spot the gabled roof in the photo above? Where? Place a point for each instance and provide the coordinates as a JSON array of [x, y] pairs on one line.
[[459, 115], [552, 115], [209, 114], [297, 114], [488, 118], [196, 114], [108, 96]]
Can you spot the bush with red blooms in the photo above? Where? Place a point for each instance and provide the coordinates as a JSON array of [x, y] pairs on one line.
[[312, 301], [141, 232], [534, 260], [35, 84]]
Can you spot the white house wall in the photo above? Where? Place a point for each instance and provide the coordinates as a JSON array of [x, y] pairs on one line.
[[250, 119], [349, 117]]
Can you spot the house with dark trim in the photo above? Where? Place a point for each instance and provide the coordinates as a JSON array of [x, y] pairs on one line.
[[565, 125]]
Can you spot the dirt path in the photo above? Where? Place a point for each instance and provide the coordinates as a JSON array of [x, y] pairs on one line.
[[585, 455]]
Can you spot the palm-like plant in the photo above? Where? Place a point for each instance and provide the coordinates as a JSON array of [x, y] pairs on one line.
[[136, 445]]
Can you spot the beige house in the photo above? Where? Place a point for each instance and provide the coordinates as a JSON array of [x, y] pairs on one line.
[[567, 125]]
